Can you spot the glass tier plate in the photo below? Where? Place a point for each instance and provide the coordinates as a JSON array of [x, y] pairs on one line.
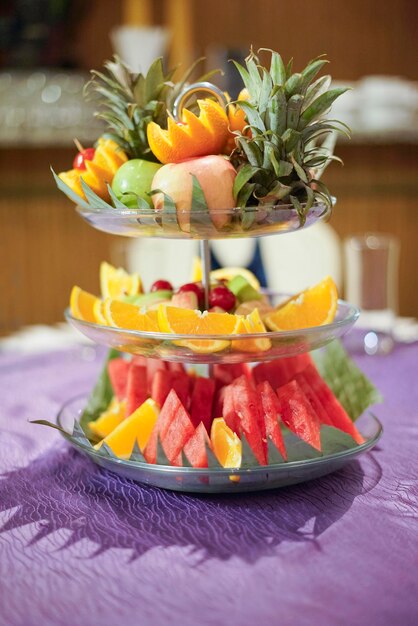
[[219, 480], [201, 224], [171, 347]]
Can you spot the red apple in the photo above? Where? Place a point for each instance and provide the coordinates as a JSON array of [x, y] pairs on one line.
[[215, 175]]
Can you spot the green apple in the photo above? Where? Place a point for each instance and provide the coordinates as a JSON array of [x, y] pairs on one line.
[[133, 179]]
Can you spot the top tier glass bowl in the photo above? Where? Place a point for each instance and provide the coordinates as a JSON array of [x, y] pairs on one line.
[[202, 224]]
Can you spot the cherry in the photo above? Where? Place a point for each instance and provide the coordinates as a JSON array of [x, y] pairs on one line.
[[197, 288], [222, 297], [161, 285], [87, 154]]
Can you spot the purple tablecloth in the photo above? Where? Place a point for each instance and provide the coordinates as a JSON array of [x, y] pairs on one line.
[[80, 547]]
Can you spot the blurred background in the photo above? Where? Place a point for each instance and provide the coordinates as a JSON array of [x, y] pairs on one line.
[[47, 48]]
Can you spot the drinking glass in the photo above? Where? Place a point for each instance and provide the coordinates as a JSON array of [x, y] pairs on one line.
[[371, 283]]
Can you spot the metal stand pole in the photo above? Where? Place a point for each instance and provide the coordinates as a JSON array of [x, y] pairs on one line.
[[205, 258]]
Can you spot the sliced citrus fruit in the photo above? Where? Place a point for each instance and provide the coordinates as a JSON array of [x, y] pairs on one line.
[[109, 419], [82, 304], [123, 315], [99, 312], [226, 444], [137, 427], [314, 307], [252, 323], [227, 273], [116, 282], [193, 322], [192, 137]]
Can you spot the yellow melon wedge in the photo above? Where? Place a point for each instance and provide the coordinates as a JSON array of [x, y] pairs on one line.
[[137, 427]]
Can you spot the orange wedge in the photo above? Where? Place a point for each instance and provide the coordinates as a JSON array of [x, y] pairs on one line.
[[109, 419], [314, 307], [123, 315], [252, 323], [192, 322], [226, 444], [99, 312], [82, 304], [116, 282], [137, 427]]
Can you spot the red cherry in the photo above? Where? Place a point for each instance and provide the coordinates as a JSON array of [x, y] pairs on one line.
[[197, 288], [161, 284], [84, 155], [221, 296]]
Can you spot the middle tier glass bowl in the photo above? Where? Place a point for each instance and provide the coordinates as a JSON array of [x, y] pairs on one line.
[[196, 348], [202, 224]]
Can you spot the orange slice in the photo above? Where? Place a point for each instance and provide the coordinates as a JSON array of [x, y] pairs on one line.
[[252, 323], [192, 137], [314, 307], [116, 282], [123, 315], [192, 322], [109, 419], [137, 427], [82, 304], [99, 312], [226, 444]]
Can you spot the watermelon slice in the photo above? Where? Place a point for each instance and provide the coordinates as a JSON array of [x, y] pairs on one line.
[[250, 418], [174, 427], [302, 380], [270, 408], [195, 448], [164, 381], [153, 366], [228, 409], [226, 373], [179, 431], [176, 367], [298, 414], [181, 384], [118, 374], [202, 402], [218, 403], [136, 388], [335, 412], [280, 371]]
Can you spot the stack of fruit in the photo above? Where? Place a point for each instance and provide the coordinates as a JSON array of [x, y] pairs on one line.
[[237, 306], [257, 151], [155, 402]]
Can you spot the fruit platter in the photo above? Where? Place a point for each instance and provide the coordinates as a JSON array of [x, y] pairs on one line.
[[172, 164], [210, 386], [243, 322]]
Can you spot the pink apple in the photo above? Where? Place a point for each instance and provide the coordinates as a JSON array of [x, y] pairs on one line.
[[216, 177]]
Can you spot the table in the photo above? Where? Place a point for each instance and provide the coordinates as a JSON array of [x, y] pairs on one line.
[[79, 546]]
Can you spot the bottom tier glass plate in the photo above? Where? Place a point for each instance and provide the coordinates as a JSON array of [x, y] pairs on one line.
[[218, 480], [172, 347]]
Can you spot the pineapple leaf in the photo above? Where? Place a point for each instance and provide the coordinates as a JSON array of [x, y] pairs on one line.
[[116, 202], [276, 112], [154, 80], [293, 85], [299, 208], [265, 93], [299, 169], [251, 150], [245, 194], [311, 70], [69, 192], [277, 69], [253, 116], [294, 106], [289, 68], [320, 105], [244, 75], [198, 197], [316, 89], [93, 199], [244, 174]]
